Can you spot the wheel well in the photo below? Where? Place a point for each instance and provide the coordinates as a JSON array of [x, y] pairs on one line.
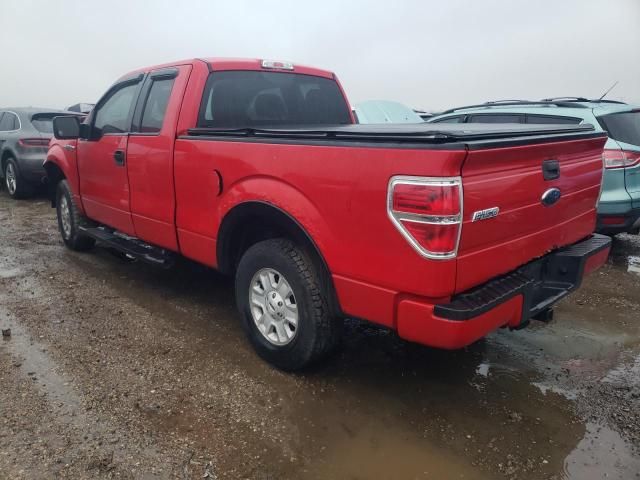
[[252, 222], [54, 176]]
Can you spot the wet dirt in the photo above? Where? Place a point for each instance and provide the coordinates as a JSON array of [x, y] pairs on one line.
[[118, 370]]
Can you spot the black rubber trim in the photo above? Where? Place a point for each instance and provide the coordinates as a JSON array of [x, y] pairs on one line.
[[630, 218], [541, 282], [397, 143]]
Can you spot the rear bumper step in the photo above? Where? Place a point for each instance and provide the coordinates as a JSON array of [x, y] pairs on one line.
[[508, 301], [541, 282]]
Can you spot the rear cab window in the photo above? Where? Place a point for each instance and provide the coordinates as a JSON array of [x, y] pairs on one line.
[[623, 126], [254, 99]]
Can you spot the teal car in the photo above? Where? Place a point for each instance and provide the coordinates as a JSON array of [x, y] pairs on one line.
[[619, 205]]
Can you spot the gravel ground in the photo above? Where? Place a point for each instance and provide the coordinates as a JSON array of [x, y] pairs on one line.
[[118, 370]]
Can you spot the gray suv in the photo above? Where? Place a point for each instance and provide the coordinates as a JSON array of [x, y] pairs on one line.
[[24, 141]]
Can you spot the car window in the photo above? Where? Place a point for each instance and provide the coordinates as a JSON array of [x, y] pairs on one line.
[[43, 122], [449, 120], [9, 122], [623, 126], [549, 119], [240, 99], [113, 116], [495, 118], [2, 125], [156, 105]]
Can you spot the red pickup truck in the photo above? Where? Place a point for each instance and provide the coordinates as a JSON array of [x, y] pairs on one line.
[[441, 232]]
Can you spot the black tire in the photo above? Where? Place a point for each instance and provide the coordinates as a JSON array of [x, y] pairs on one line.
[[22, 188], [318, 330], [71, 238]]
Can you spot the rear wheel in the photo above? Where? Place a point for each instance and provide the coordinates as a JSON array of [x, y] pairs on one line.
[[70, 219], [284, 310], [17, 187]]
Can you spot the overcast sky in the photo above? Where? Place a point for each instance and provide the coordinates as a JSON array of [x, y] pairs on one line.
[[426, 54]]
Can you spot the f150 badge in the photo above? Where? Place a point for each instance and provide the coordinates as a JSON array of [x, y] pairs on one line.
[[485, 214]]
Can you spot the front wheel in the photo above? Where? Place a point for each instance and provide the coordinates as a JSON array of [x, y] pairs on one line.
[[70, 219], [284, 310]]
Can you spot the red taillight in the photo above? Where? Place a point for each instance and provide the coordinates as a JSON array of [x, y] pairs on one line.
[[620, 158], [426, 199], [428, 213], [34, 142], [612, 220]]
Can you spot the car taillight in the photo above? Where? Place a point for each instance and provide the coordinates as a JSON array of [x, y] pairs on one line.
[[428, 213], [34, 142], [620, 158]]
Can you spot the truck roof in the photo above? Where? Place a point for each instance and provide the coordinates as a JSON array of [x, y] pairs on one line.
[[222, 63]]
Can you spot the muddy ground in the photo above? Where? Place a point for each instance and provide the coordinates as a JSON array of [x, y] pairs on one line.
[[119, 370]]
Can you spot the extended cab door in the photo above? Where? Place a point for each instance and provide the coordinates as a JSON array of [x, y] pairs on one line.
[[150, 155], [102, 157]]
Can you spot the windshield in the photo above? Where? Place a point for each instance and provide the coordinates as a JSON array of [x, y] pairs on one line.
[[238, 99], [623, 126], [383, 111]]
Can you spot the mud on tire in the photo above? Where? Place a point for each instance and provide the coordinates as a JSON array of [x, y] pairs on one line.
[[70, 219], [317, 331]]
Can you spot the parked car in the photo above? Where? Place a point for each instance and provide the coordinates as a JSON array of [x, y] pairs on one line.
[[619, 206], [254, 168], [24, 140], [81, 107], [424, 115], [385, 111]]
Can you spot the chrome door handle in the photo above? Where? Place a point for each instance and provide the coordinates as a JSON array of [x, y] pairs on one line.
[[69, 147]]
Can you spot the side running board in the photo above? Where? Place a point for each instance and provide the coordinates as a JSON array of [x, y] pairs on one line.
[[131, 246]]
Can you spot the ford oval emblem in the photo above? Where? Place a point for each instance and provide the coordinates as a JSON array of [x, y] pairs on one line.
[[551, 196]]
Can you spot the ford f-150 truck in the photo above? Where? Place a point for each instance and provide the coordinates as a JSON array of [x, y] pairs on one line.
[[441, 232]]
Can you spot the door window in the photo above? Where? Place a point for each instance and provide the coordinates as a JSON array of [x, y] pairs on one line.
[[9, 122], [114, 115], [449, 120], [549, 119], [156, 105]]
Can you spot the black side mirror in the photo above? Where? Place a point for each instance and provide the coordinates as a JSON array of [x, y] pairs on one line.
[[66, 128], [85, 131]]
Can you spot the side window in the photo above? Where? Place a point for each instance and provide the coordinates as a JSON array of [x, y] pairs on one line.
[[449, 120], [114, 115], [3, 123], [548, 119], [495, 118], [9, 122], [156, 105]]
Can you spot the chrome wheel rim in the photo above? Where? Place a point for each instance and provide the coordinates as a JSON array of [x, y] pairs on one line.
[[10, 176], [273, 306], [65, 217]]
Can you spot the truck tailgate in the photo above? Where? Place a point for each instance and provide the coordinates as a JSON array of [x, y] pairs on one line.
[[515, 180]]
